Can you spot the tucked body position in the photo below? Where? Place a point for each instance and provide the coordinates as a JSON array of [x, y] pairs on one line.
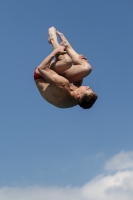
[[59, 80]]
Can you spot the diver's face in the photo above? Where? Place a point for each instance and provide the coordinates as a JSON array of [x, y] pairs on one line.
[[84, 90]]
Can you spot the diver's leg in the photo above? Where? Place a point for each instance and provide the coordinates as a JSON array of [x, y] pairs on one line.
[[81, 68], [62, 62]]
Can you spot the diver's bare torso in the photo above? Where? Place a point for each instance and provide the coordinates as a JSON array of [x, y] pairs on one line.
[[57, 94]]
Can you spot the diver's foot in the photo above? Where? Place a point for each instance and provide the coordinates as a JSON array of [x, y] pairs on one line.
[[64, 41], [51, 34]]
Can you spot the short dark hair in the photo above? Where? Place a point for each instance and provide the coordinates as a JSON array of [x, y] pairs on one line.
[[87, 102]]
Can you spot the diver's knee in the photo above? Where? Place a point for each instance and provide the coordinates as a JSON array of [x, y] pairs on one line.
[[68, 60], [87, 68]]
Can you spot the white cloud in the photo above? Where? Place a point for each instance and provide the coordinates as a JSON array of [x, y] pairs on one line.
[[39, 193], [118, 186], [115, 186], [121, 161]]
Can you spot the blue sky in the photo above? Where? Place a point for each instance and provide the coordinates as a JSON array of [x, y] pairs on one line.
[[50, 147]]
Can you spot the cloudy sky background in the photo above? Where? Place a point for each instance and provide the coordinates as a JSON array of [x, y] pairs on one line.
[[69, 154]]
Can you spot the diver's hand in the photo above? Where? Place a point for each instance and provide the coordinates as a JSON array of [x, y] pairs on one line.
[[60, 50]]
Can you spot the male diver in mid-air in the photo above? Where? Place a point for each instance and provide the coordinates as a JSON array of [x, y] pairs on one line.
[[59, 81]]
